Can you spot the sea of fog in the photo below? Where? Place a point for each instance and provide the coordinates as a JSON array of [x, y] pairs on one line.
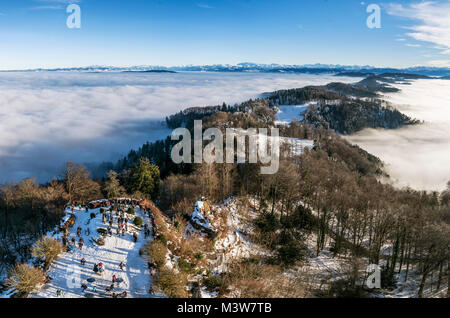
[[48, 118], [416, 156]]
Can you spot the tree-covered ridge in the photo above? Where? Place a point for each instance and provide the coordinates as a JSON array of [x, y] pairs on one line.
[[349, 108], [255, 114], [346, 108], [186, 117], [298, 96], [350, 116]]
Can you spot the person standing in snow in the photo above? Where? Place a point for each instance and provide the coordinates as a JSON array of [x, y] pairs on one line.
[[121, 265], [83, 261], [47, 278]]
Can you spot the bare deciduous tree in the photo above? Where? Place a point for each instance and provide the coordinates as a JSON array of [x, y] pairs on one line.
[[25, 279], [46, 250]]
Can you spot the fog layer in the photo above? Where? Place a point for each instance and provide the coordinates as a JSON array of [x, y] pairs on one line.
[[48, 118], [417, 156]]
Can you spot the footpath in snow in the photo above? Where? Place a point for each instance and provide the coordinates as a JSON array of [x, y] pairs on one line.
[[68, 274]]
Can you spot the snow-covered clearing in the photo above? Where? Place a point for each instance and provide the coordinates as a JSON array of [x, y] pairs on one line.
[[295, 146], [286, 114], [68, 274]]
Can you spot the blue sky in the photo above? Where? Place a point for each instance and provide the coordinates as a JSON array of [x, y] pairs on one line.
[[33, 33]]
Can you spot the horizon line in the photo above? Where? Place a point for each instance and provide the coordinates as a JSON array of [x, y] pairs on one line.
[[238, 65]]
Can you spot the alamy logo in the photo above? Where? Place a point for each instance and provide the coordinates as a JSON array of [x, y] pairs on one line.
[[74, 19], [374, 19], [374, 278], [73, 278], [261, 148]]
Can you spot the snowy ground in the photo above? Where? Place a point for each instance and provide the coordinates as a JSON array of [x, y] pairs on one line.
[[296, 146], [68, 274], [287, 114]]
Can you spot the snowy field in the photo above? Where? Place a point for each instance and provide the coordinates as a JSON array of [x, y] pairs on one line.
[[294, 146], [68, 274], [288, 113]]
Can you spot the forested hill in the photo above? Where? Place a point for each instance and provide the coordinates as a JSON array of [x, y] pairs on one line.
[[350, 116], [342, 103], [349, 108], [370, 87], [345, 108]]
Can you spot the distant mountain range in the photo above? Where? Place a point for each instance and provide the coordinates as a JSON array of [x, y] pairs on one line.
[[345, 70]]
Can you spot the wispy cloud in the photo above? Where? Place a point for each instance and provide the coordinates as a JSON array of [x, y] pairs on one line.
[[59, 1], [52, 4], [204, 6], [431, 22], [55, 7], [413, 45], [440, 63]]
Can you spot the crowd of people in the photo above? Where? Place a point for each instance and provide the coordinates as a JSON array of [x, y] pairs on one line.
[[112, 213]]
